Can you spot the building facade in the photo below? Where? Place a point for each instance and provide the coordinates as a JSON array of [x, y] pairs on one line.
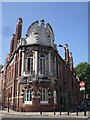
[[35, 77]]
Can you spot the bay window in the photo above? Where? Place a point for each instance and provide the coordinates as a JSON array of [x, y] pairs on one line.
[[42, 64], [30, 62]]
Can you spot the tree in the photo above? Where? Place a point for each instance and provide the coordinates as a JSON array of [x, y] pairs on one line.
[[83, 72], [1, 66]]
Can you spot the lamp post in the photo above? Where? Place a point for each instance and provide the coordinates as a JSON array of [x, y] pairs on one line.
[[85, 101], [67, 62]]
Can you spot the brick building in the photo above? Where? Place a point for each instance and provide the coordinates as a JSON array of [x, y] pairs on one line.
[[35, 77]]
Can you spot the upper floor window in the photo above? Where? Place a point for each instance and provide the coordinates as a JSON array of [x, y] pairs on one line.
[[53, 64], [44, 95], [30, 62], [42, 64], [28, 96]]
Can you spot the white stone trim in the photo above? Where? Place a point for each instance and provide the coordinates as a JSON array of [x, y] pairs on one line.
[[49, 62], [22, 70], [27, 102], [44, 102], [55, 65], [36, 62]]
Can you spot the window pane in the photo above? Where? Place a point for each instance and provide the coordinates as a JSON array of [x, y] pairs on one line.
[[28, 63], [28, 95], [44, 95], [42, 64]]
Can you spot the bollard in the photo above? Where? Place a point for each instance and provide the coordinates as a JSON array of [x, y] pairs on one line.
[[76, 109], [54, 110], [60, 112], [41, 112], [84, 110], [8, 104], [8, 108], [68, 112]]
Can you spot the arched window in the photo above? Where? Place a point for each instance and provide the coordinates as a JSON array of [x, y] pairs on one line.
[[28, 96], [44, 95], [42, 64], [30, 62]]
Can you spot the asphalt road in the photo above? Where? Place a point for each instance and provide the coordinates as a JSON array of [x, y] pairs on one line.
[[20, 117], [45, 119]]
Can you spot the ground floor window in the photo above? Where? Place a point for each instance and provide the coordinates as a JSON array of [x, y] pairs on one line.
[[44, 95], [28, 96], [55, 97]]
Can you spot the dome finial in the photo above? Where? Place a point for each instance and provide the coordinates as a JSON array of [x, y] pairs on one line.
[[42, 21]]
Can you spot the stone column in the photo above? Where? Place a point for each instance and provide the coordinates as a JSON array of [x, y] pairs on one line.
[[55, 67], [36, 62], [23, 61], [19, 63], [49, 62]]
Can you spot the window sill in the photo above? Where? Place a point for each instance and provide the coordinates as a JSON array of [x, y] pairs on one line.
[[28, 102], [43, 102]]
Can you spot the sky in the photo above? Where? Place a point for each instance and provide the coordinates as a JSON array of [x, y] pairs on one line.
[[89, 33], [69, 21]]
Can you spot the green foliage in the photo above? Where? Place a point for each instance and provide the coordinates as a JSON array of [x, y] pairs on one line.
[[83, 72]]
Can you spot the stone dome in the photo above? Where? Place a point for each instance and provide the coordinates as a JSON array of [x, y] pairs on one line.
[[40, 34]]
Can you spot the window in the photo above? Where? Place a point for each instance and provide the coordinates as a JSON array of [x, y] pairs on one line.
[[44, 95], [54, 95], [53, 64], [30, 63], [28, 96], [42, 64]]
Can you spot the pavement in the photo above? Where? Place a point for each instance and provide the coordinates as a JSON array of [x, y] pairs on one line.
[[44, 114]]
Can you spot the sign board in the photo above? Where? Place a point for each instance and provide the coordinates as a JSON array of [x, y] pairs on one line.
[[82, 88], [82, 84]]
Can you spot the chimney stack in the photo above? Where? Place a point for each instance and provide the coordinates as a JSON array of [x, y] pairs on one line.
[[18, 32], [66, 54], [12, 44], [71, 61]]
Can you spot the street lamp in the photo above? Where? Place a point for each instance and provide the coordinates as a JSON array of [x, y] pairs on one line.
[[67, 62]]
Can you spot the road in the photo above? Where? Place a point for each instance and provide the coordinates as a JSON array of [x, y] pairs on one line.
[[41, 117], [12, 115]]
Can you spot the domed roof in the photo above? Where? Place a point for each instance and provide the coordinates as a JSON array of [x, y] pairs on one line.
[[40, 34]]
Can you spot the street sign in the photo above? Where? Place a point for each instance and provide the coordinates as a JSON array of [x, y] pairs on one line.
[[82, 88], [82, 84]]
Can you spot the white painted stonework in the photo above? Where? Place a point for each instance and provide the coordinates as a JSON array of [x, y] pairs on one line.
[[42, 35]]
